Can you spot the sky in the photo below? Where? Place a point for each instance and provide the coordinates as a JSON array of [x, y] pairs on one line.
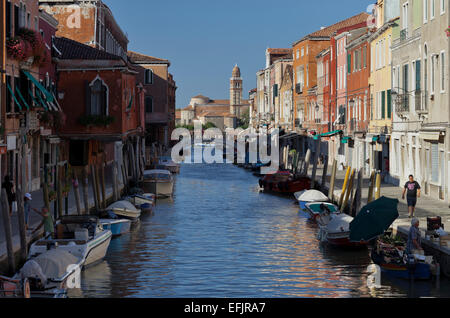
[[204, 39]]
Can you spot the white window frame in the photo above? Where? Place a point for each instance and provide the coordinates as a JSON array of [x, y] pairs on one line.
[[433, 74], [442, 61], [425, 11], [432, 9], [442, 7], [405, 14]]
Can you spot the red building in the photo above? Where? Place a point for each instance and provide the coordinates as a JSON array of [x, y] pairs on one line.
[[105, 106]]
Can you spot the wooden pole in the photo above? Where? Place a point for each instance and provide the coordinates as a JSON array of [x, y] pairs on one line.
[[45, 195], [307, 160], [94, 188], [356, 204], [85, 187], [124, 177], [22, 225], [114, 183], [316, 158], [378, 185], [325, 171], [348, 191], [371, 187], [76, 192], [332, 180], [103, 185], [59, 197], [8, 232], [344, 186]]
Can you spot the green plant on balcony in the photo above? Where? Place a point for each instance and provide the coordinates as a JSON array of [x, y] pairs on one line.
[[448, 31], [27, 45], [51, 119], [96, 120]]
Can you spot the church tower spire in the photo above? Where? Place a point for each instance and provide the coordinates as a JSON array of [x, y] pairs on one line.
[[235, 91]]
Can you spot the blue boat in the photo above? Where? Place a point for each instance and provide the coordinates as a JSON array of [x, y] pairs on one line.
[[309, 196], [118, 227]]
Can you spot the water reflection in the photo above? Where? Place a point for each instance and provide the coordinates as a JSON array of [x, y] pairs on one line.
[[220, 237]]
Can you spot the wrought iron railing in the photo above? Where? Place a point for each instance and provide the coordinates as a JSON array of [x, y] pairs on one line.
[[403, 34]]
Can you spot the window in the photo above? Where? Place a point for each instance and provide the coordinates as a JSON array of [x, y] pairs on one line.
[[349, 63], [99, 98], [418, 84], [405, 16], [433, 73], [435, 162], [9, 99], [298, 54], [442, 6], [16, 19], [443, 69], [149, 104], [389, 50], [389, 104], [405, 86], [432, 8], [307, 75], [364, 56], [303, 52], [149, 76], [425, 11]]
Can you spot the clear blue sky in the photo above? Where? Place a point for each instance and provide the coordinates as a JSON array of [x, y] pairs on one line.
[[204, 39]]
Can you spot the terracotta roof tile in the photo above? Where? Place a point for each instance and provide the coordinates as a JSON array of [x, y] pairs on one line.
[[73, 50], [141, 58]]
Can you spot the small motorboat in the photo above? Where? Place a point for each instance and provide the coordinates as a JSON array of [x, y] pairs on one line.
[[318, 209], [139, 199], [51, 273], [308, 196], [81, 236], [159, 182], [284, 182], [335, 230], [14, 288], [117, 226], [125, 209], [168, 164], [393, 261]]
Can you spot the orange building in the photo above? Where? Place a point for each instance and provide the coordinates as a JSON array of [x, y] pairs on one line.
[[305, 69]]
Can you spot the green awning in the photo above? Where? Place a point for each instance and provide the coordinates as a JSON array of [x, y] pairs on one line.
[[131, 102], [375, 139], [42, 101], [332, 133], [14, 96], [48, 96], [345, 140]]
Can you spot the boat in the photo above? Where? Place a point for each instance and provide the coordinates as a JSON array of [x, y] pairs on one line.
[[308, 196], [394, 262], [125, 209], [284, 182], [117, 227], [317, 209], [335, 230], [159, 182], [81, 236], [51, 273], [14, 288], [139, 199], [166, 163]]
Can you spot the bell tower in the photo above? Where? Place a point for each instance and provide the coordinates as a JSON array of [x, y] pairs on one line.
[[235, 91]]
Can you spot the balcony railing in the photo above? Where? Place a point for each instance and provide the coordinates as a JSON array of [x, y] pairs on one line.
[[402, 104]]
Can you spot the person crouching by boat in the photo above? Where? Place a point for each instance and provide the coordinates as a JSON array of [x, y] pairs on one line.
[[47, 222], [414, 240]]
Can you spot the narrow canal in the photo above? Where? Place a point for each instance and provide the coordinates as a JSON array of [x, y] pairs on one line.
[[220, 237]]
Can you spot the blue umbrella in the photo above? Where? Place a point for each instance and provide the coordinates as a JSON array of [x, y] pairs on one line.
[[374, 219]]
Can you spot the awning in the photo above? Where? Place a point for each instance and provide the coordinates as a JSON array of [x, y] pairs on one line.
[[291, 135], [332, 133], [22, 99], [375, 138], [48, 95], [14, 96], [345, 140], [430, 135]]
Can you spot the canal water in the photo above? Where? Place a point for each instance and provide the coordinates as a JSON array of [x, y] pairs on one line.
[[220, 237]]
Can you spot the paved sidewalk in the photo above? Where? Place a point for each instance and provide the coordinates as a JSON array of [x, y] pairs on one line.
[[35, 219]]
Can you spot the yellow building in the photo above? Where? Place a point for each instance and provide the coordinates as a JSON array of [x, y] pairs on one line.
[[380, 81]]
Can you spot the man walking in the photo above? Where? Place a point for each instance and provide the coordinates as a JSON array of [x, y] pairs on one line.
[[412, 190]]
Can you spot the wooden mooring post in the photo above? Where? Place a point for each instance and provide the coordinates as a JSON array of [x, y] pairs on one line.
[[76, 192], [85, 186], [94, 188], [316, 159], [324, 174], [371, 187], [348, 191], [332, 180], [344, 186], [307, 161], [103, 184], [22, 224], [8, 232], [378, 187]]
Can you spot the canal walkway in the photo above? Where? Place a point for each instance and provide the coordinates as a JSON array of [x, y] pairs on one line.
[[35, 219]]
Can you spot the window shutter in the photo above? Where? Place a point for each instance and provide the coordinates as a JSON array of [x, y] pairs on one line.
[[87, 92], [349, 63], [389, 104], [383, 105]]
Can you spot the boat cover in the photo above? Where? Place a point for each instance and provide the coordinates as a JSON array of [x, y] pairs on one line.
[[53, 265], [311, 196], [123, 205], [339, 223]]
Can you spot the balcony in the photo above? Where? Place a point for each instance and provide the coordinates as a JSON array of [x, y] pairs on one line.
[[402, 104], [156, 118], [420, 98]]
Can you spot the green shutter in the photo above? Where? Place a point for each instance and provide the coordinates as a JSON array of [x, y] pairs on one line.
[[389, 104], [349, 63], [383, 105]]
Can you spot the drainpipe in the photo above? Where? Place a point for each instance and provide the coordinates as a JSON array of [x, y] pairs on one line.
[[3, 71]]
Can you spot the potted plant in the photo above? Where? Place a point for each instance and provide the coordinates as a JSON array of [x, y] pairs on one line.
[[52, 196], [66, 190], [448, 31]]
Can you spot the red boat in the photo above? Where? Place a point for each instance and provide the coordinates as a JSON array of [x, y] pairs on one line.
[[284, 182]]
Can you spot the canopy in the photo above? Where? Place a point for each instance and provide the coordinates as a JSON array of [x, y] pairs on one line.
[[124, 205], [374, 219], [329, 134], [47, 94], [311, 196]]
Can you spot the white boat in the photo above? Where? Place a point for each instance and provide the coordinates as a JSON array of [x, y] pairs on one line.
[[51, 273], [159, 182], [169, 164], [117, 227], [320, 209], [308, 196], [125, 209], [335, 230], [81, 236], [139, 199]]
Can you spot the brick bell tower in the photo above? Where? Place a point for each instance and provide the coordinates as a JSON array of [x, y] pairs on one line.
[[236, 92]]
